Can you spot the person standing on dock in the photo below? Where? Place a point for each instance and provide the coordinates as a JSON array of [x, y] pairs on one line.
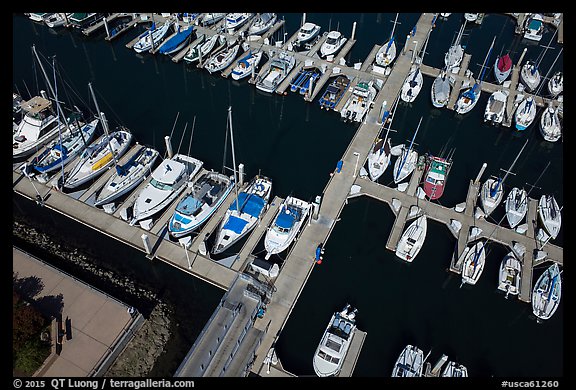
[[319, 253]]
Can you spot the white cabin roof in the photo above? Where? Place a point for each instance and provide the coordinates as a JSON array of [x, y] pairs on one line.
[[168, 171]]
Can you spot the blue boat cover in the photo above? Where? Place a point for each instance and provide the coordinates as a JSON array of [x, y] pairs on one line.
[[235, 224], [287, 217], [249, 203], [188, 205]]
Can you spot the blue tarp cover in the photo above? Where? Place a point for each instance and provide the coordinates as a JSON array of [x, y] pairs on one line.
[[249, 203], [235, 224], [287, 217]]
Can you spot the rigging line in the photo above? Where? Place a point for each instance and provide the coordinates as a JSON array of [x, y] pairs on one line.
[[182, 138], [191, 135]]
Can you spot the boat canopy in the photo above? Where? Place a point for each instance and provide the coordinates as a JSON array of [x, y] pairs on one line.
[[235, 224], [287, 217], [189, 205], [250, 204]]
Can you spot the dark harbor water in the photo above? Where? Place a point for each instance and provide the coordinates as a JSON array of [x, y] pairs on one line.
[[297, 145]]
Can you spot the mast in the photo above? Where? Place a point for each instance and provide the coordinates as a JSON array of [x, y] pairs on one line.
[[486, 59], [105, 125], [409, 148], [233, 156]]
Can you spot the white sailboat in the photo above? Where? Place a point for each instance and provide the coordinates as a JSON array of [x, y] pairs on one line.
[[440, 91], [516, 206], [412, 239], [509, 274], [380, 154], [410, 363], [525, 113], [222, 59], [492, 192], [469, 96], [235, 20], [406, 162], [502, 68], [547, 293], [127, 176], [530, 73], [550, 125], [334, 344], [288, 222], [474, 262], [455, 53], [455, 370], [556, 84], [262, 23], [387, 53], [203, 49], [247, 64], [412, 85], [152, 38], [550, 214]]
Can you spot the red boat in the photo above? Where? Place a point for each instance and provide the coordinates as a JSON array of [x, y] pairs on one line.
[[437, 169]]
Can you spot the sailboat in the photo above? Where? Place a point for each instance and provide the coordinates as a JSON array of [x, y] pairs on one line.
[[288, 222], [221, 60], [380, 154], [96, 158], [474, 262], [262, 23], [387, 53], [413, 83], [547, 292], [235, 20], [509, 274], [412, 239], [525, 113], [205, 47], [516, 206], [550, 214], [455, 370], [406, 162], [247, 64], [177, 41], [491, 193], [469, 96], [440, 91], [127, 176], [410, 363], [502, 68], [152, 37], [556, 84], [530, 73], [550, 126], [455, 53]]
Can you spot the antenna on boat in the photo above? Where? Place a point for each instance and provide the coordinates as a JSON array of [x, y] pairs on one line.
[[105, 124]]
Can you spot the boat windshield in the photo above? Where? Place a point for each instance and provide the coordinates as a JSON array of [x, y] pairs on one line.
[[161, 186]]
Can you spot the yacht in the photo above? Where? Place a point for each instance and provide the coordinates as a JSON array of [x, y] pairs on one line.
[[333, 43], [412, 239], [235, 20], [152, 37], [168, 181], [556, 84], [223, 59], [307, 33], [247, 64], [335, 342], [534, 27], [334, 92], [530, 75], [280, 67], [200, 203], [211, 18], [359, 102], [435, 176], [262, 23], [496, 107]]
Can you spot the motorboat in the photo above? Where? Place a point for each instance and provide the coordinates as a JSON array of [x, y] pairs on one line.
[[534, 27], [525, 113], [97, 157], [203, 50], [57, 19], [262, 23], [440, 91], [547, 293], [280, 67], [83, 20], [200, 203], [235, 20], [455, 370], [168, 181], [243, 214], [334, 92], [247, 64], [65, 148], [412, 85], [412, 239], [39, 126], [556, 84], [496, 107], [335, 342], [287, 223], [360, 101], [550, 214], [152, 37], [410, 363], [435, 176], [471, 17], [307, 33], [474, 261], [176, 42], [127, 176], [222, 59], [516, 206], [502, 68], [38, 16], [333, 43], [550, 125], [530, 75], [509, 274]]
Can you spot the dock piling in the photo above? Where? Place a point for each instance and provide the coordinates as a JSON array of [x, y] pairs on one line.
[[146, 241], [168, 146], [477, 180], [353, 30], [241, 174]]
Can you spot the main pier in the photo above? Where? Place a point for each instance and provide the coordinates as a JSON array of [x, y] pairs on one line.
[[241, 305]]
